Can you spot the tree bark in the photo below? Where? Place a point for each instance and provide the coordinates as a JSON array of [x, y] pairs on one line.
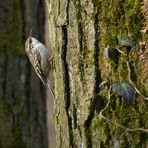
[[79, 31]]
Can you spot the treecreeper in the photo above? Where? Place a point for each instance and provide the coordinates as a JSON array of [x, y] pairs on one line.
[[40, 59]]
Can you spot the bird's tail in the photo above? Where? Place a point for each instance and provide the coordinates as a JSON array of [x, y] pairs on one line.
[[50, 88]]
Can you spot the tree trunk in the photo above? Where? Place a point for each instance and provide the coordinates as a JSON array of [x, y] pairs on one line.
[[22, 98], [84, 114]]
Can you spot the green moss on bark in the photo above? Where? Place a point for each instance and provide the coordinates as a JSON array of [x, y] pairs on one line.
[[119, 18]]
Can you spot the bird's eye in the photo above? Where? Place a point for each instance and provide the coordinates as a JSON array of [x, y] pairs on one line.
[[30, 41]]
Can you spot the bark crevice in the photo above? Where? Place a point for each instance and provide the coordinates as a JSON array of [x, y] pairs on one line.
[[97, 102], [66, 81], [97, 99], [80, 38]]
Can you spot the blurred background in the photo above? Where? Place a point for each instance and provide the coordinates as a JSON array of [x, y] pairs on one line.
[[25, 104]]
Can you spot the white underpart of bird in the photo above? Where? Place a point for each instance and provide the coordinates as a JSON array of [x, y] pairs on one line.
[[39, 57]]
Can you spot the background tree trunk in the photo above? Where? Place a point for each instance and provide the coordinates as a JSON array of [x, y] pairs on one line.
[[22, 98], [79, 32]]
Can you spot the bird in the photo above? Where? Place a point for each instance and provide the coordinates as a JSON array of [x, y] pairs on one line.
[[40, 59]]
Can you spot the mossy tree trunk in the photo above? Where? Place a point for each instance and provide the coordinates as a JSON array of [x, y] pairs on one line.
[[22, 98], [79, 32]]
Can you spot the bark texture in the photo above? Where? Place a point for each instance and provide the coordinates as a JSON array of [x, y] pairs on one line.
[[79, 31], [22, 99]]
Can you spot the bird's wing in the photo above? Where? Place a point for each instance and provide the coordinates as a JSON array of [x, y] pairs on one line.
[[37, 66]]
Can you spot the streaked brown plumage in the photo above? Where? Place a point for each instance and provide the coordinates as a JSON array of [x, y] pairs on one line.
[[39, 57]]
